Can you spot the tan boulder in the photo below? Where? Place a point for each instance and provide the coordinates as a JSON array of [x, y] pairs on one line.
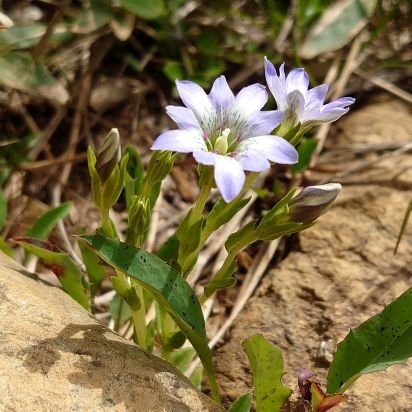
[[54, 356]]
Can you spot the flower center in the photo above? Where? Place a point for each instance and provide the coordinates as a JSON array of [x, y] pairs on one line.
[[221, 143]]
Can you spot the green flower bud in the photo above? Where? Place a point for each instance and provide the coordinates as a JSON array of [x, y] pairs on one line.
[[139, 218], [109, 155], [312, 202], [159, 166]]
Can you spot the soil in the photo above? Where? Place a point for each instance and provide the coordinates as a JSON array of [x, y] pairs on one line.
[[341, 271]]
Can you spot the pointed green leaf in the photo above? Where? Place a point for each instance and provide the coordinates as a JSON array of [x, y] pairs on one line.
[[242, 404], [305, 151], [62, 265], [381, 341], [166, 285], [222, 212], [44, 225], [338, 25], [146, 9], [94, 269], [182, 358], [226, 282], [266, 363]]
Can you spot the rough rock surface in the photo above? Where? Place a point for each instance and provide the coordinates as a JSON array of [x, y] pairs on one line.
[[341, 272], [55, 357]]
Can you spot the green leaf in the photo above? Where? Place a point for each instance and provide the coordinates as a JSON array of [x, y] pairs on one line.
[[169, 251], [222, 212], [383, 340], [266, 363], [61, 265], [119, 310], [305, 150], [338, 25], [20, 71], [173, 70], [3, 209], [22, 37], [133, 174], [182, 358], [226, 282], [94, 269], [96, 14], [166, 285], [242, 404], [45, 224], [146, 9], [237, 239]]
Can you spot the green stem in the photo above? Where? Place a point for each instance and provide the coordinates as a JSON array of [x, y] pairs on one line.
[[139, 318], [223, 271]]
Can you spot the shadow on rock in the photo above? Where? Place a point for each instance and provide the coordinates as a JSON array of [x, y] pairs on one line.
[[122, 371]]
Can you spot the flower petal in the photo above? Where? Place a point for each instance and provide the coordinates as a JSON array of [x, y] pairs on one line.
[[276, 84], [296, 102], [252, 161], [221, 96], [205, 158], [183, 117], [229, 177], [195, 98], [250, 100], [315, 97], [264, 122], [184, 141], [329, 112], [274, 148], [297, 79]]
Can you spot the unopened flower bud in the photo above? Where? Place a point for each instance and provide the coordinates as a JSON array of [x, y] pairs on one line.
[[139, 218], [159, 166], [109, 155], [312, 202]]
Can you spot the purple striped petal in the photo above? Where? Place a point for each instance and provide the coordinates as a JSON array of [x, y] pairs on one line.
[[183, 141], [183, 117], [276, 84], [250, 100], [315, 97], [297, 79], [252, 161], [264, 122], [220, 95], [296, 102], [205, 158], [274, 148], [195, 98], [229, 177]]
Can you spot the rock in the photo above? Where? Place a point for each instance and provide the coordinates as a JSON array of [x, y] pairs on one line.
[[340, 272], [56, 356]]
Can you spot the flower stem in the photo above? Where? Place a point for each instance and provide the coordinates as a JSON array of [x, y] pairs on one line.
[[139, 318]]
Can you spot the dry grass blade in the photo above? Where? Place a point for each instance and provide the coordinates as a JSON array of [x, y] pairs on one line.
[[385, 85]]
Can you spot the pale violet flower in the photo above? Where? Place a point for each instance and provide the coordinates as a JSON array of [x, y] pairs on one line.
[[226, 131], [298, 102]]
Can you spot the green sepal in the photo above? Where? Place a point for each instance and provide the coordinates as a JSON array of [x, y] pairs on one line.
[[278, 211], [95, 179], [133, 174], [114, 185], [222, 212], [239, 239], [225, 282], [281, 229]]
